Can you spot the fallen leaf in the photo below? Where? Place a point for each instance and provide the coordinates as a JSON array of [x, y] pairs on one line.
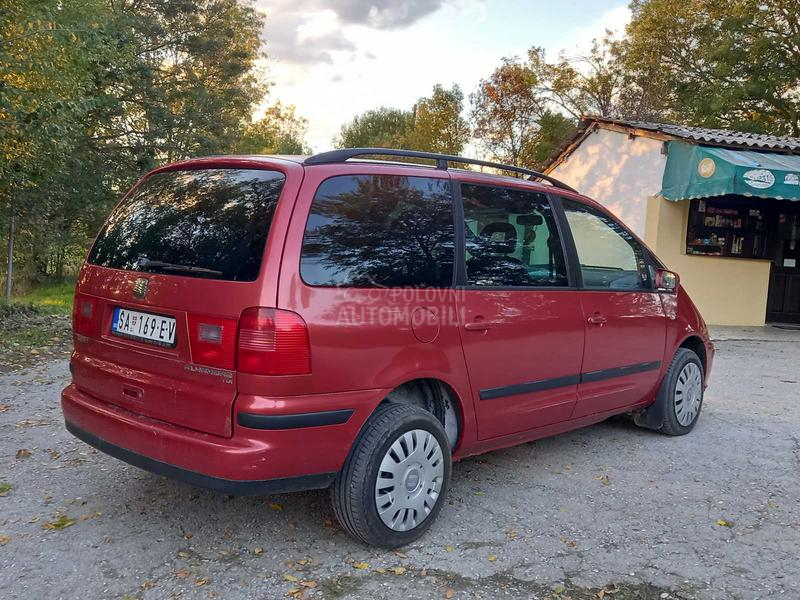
[[4, 539], [398, 570], [276, 506], [61, 522], [182, 573], [183, 554], [54, 454], [380, 570], [291, 578], [5, 488], [492, 558], [449, 593], [149, 584], [724, 523], [360, 565], [258, 551], [4, 407], [23, 453], [201, 581], [401, 554], [604, 479], [309, 584], [298, 593], [448, 548], [512, 534]]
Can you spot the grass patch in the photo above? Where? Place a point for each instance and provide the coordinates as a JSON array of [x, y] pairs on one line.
[[5, 488], [50, 297], [32, 337]]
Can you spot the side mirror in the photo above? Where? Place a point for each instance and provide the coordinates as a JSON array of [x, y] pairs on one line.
[[667, 281]]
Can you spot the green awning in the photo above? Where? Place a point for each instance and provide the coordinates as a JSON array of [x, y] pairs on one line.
[[703, 171]]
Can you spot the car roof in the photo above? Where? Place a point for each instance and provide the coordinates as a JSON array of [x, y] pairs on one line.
[[493, 178]]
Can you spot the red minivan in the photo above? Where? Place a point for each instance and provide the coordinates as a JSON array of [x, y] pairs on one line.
[[268, 324]]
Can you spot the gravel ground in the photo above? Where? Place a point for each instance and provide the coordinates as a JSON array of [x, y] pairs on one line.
[[610, 511]]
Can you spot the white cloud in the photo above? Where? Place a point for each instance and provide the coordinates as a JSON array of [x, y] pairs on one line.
[[580, 40], [333, 63]]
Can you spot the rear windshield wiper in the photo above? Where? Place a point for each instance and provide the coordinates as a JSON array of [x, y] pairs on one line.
[[146, 264]]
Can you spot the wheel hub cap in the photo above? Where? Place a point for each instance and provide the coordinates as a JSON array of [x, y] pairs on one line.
[[409, 480], [688, 394]]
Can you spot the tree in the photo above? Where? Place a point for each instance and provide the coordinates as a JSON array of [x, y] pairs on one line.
[[507, 113], [434, 124], [94, 93], [279, 131], [438, 123], [379, 128], [596, 83], [46, 57], [732, 64]]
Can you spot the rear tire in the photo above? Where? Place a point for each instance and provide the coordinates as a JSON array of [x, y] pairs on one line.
[[681, 393], [406, 447]]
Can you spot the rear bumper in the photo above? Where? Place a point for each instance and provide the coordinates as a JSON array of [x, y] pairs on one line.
[[297, 447], [227, 486]]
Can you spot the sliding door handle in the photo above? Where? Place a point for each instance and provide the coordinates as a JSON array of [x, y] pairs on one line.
[[597, 319]]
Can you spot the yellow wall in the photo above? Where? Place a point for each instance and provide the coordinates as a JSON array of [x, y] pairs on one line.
[[728, 291]]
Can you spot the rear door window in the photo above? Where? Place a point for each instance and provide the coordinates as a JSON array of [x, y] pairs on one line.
[[200, 223], [511, 238], [379, 231]]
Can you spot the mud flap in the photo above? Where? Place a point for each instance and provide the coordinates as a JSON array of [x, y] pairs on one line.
[[651, 417]]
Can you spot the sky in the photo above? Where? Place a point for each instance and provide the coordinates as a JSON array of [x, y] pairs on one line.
[[336, 59]]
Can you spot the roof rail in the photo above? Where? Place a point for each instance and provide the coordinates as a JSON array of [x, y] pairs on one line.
[[442, 161]]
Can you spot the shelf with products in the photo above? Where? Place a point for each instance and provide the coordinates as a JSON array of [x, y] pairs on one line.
[[727, 227]]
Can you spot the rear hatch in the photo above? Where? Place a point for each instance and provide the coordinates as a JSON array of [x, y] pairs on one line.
[[159, 298]]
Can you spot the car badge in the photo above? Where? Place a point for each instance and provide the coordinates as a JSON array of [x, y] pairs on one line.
[[140, 287]]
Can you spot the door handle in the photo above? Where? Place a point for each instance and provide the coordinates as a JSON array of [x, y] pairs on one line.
[[477, 326], [597, 319]]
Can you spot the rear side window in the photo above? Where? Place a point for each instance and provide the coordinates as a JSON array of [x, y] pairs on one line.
[[203, 223], [379, 231], [609, 256], [511, 239]]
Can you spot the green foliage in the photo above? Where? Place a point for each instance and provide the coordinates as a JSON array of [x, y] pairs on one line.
[[438, 124], [379, 128], [732, 64], [279, 131], [434, 124], [53, 297], [95, 93]]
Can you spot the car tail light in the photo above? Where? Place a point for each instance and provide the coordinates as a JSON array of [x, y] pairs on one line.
[[85, 315], [273, 342], [212, 341]]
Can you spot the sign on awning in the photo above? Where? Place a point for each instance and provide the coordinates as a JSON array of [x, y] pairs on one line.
[[703, 171]]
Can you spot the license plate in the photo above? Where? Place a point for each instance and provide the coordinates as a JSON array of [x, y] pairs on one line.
[[144, 327]]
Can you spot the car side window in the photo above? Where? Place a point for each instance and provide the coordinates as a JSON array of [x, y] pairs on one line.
[[380, 231], [511, 238], [609, 256]]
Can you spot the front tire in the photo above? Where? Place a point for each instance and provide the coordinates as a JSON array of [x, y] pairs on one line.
[[395, 479], [682, 393]]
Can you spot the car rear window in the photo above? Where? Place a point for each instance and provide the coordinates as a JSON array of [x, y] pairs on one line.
[[200, 223]]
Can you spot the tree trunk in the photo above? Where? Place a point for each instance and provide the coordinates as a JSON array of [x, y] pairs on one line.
[[10, 269]]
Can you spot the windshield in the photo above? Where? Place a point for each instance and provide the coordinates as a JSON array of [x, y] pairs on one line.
[[210, 223]]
